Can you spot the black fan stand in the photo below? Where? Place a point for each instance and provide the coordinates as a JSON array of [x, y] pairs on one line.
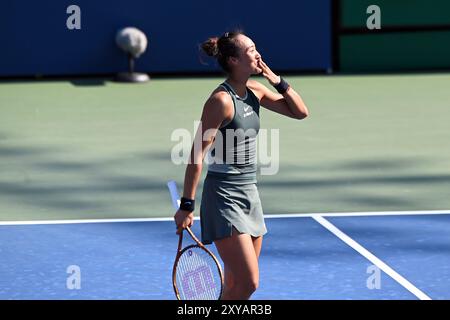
[[132, 76]]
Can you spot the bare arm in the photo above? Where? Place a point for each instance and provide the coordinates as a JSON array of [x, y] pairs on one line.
[[217, 108], [289, 103]]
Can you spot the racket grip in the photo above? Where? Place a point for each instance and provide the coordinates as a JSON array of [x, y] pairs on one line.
[[174, 194]]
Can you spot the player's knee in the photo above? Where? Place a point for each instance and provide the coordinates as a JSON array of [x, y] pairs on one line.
[[254, 285], [249, 286]]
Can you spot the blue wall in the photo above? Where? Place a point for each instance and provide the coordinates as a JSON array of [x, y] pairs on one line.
[[296, 35]]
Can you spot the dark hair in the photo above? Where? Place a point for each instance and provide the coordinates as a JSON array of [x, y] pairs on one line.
[[222, 48]]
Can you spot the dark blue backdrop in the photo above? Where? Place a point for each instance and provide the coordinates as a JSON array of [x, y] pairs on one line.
[[292, 35]]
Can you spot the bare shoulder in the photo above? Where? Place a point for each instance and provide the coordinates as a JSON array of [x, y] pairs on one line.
[[219, 105], [219, 95], [219, 102]]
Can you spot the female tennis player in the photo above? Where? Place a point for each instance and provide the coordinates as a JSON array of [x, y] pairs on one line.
[[231, 214]]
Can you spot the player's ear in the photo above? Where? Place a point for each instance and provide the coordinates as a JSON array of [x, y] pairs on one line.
[[232, 61]]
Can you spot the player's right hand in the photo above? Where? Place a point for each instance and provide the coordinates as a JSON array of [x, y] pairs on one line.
[[183, 219]]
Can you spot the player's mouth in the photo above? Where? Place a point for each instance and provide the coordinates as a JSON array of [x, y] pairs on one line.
[[258, 68]]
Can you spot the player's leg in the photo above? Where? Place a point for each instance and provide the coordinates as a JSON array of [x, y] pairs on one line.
[[257, 244], [241, 266], [229, 277]]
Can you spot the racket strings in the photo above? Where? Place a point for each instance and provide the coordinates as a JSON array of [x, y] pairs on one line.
[[197, 275]]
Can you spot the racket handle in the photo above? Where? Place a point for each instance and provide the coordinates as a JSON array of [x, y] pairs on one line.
[[180, 241], [174, 194]]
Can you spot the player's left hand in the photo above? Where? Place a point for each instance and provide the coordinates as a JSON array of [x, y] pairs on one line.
[[268, 73]]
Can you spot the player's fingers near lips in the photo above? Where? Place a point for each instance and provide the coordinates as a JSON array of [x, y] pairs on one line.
[[264, 68], [258, 65], [262, 63]]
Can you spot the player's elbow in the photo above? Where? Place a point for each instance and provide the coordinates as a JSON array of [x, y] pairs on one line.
[[301, 111], [302, 115]]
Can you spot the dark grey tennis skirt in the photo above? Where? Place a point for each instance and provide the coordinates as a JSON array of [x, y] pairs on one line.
[[227, 204]]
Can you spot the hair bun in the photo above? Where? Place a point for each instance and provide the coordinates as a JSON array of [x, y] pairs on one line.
[[211, 47]]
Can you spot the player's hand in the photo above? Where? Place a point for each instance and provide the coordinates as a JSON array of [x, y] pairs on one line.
[[183, 219], [268, 73]]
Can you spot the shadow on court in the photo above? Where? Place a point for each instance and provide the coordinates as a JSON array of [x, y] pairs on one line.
[[45, 180], [357, 185], [86, 82], [48, 183]]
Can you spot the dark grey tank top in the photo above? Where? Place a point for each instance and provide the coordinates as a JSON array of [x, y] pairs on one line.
[[233, 152]]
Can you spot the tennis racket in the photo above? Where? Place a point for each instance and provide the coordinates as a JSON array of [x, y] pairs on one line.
[[197, 274]]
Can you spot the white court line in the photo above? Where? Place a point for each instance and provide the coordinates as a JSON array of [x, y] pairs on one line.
[[76, 221], [270, 216], [317, 216], [372, 258], [358, 214]]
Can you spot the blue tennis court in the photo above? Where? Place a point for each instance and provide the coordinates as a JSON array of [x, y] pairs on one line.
[[391, 255]]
